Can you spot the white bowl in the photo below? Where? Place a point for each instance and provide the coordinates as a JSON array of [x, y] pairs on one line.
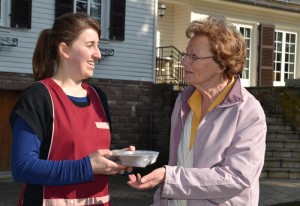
[[138, 158]]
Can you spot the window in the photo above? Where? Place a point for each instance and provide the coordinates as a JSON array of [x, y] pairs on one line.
[[110, 13], [1, 12], [284, 57], [4, 14], [97, 9], [246, 32]]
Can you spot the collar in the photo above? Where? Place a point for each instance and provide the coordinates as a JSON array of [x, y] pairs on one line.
[[234, 95]]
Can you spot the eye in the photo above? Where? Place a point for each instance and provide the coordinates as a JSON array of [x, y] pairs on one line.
[[194, 57]]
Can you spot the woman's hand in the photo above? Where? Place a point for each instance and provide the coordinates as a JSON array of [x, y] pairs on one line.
[[102, 165], [149, 181], [128, 169]]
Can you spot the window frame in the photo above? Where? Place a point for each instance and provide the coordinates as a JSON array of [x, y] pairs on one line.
[[5, 7], [247, 68], [104, 18], [113, 27], [283, 61]]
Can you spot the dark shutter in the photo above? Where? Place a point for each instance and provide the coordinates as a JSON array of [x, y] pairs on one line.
[[266, 54], [21, 13], [63, 7], [117, 20]]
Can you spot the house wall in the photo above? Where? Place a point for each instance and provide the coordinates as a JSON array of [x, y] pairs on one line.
[[140, 110], [235, 12], [133, 58]]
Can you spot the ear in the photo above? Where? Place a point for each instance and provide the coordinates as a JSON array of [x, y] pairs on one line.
[[63, 50]]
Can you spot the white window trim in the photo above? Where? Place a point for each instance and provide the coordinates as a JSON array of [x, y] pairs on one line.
[[247, 82], [5, 10], [282, 83]]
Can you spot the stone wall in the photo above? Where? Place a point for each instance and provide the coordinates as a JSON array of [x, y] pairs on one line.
[[280, 100]]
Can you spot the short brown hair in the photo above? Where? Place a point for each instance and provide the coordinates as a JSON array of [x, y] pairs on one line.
[[226, 42]]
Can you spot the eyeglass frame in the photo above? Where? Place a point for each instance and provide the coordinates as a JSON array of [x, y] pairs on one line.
[[193, 57]]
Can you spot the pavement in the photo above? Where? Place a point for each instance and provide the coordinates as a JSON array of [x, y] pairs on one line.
[[272, 192]]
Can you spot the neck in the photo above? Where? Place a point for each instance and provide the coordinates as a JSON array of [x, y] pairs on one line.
[[210, 94], [70, 87]]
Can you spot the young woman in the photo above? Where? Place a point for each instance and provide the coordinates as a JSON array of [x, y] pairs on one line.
[[61, 126]]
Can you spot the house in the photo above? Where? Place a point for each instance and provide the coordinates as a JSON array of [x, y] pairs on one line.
[[133, 42], [271, 30]]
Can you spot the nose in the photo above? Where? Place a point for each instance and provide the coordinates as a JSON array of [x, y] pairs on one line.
[[184, 61], [97, 53]]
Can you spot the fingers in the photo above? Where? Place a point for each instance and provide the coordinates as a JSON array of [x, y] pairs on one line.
[[135, 182], [130, 148]]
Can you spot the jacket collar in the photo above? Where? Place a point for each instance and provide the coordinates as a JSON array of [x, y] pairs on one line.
[[234, 96]]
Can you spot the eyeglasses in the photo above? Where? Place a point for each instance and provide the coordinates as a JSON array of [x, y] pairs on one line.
[[193, 57]]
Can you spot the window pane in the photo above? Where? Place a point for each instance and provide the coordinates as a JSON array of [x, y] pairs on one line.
[[286, 67], [292, 68], [293, 38], [279, 36], [292, 50], [278, 67], [288, 37], [292, 58], [95, 10], [82, 6], [279, 47], [278, 57], [0, 9], [287, 48], [247, 33], [242, 31], [286, 57], [277, 77]]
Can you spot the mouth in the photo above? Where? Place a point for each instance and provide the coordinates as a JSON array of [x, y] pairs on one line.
[[91, 63]]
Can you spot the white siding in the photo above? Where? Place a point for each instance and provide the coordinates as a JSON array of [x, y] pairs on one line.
[[178, 15], [133, 57], [18, 59]]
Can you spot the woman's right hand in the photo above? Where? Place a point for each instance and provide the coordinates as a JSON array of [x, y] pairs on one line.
[[102, 165]]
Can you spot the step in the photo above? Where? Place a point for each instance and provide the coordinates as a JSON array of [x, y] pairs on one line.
[[275, 119], [283, 135], [280, 127], [287, 144], [280, 173], [282, 153], [282, 163]]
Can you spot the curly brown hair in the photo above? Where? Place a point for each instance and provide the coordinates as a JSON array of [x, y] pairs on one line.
[[226, 42]]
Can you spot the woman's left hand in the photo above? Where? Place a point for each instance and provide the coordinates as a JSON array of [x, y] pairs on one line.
[[149, 181]]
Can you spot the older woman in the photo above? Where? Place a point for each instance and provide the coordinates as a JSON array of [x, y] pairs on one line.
[[218, 128]]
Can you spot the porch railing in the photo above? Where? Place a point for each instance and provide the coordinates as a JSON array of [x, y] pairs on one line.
[[168, 66]]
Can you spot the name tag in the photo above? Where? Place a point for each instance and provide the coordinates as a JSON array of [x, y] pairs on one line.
[[102, 125]]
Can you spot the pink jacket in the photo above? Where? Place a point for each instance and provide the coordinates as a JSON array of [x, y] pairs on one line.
[[228, 153]]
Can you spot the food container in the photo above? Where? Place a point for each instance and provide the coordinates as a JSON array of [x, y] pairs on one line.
[[138, 158]]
